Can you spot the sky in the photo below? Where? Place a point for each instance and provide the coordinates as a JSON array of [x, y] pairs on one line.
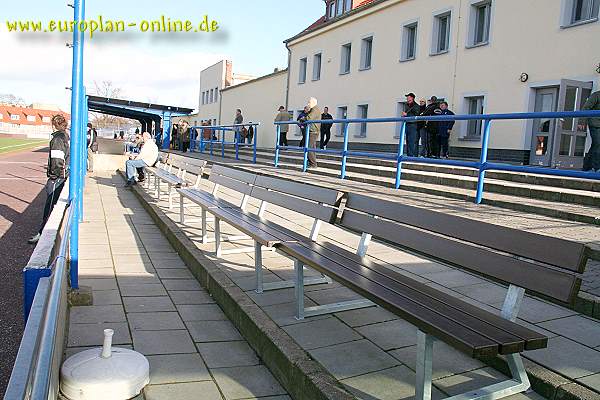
[[160, 68]]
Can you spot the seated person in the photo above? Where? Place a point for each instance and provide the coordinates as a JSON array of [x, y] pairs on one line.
[[147, 157]]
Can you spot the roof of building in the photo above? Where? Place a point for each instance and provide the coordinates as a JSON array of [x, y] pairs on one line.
[[255, 80], [23, 112], [323, 21]]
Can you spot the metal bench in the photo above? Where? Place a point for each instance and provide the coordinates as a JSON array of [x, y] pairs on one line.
[[543, 265], [163, 172]]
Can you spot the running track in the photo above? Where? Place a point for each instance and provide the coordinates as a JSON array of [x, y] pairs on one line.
[[22, 179]]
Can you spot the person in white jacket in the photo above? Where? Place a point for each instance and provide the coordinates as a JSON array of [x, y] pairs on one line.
[[147, 157]]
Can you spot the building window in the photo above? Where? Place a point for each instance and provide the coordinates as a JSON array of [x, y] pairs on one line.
[[346, 58], [316, 75], [441, 33], [302, 71], [474, 107], [331, 10], [362, 112], [212, 95], [31, 118], [480, 22], [348, 6], [342, 113], [409, 42], [15, 117], [216, 94], [46, 119], [400, 108], [581, 11], [339, 8], [366, 53]]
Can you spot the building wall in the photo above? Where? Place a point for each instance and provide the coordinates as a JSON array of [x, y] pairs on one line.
[[259, 101], [525, 37], [211, 78]]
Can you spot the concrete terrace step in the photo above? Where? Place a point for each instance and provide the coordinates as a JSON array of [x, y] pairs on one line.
[[557, 202]]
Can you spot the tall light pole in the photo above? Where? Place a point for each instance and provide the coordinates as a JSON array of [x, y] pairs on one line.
[[77, 137]]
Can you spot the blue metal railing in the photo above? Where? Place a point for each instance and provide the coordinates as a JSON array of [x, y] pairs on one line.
[[482, 166], [221, 139]]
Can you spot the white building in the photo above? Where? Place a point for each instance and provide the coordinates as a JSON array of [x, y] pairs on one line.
[[482, 56]]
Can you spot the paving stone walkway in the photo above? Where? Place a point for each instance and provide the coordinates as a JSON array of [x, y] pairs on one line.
[[143, 290], [371, 351]]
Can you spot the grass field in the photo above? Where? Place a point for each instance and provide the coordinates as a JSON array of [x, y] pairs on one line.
[[9, 144]]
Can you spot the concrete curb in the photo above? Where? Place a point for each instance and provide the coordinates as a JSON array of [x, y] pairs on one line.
[[303, 377], [299, 374]]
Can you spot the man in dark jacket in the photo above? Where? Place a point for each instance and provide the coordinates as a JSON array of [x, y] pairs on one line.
[[302, 118], [444, 130], [422, 132], [92, 146], [57, 170], [432, 126], [412, 109], [591, 161], [325, 128]]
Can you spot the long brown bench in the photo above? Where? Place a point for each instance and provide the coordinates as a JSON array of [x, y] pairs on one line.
[[526, 261]]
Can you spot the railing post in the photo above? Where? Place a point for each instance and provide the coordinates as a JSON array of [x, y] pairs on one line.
[[400, 154], [305, 145], [277, 139], [236, 139], [344, 152], [255, 141], [202, 141], [223, 146], [212, 133], [483, 161]]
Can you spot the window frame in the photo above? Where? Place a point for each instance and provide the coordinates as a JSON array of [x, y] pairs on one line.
[[339, 10], [567, 14], [317, 56], [468, 98], [331, 10], [362, 127], [347, 6], [302, 70], [216, 94], [341, 126], [406, 27], [435, 33], [346, 54], [475, 6], [15, 117], [363, 55]]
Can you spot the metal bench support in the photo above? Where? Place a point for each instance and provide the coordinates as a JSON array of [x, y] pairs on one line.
[[519, 382]]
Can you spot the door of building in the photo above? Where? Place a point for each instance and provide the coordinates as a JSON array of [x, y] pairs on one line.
[[569, 139], [546, 100]]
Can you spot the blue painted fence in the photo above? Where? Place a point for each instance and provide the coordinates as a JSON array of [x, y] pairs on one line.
[[219, 136]]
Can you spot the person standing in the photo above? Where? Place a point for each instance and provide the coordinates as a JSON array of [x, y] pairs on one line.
[[57, 171], [412, 109], [422, 132], [302, 117], [185, 135], [283, 116], [444, 129], [175, 138], [314, 114], [238, 120], [92, 146], [325, 128], [147, 157], [432, 126], [591, 162]]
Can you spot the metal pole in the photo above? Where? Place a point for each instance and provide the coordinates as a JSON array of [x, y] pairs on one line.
[[305, 145], [76, 134], [83, 151], [236, 139], [400, 154], [212, 133], [202, 141], [223, 145], [255, 140], [345, 152], [277, 138], [483, 162]]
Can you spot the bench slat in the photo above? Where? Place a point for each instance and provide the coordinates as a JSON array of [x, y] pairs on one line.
[[204, 199], [306, 191], [553, 283], [236, 174], [239, 186], [554, 251], [257, 232], [435, 324], [300, 205], [441, 302]]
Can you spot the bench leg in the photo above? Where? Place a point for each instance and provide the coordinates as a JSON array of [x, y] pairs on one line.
[[218, 237], [299, 289], [158, 188], [424, 366], [258, 267], [204, 234], [170, 194], [181, 210]]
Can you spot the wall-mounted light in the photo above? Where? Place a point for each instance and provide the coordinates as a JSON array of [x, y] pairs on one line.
[[524, 77], [598, 68]]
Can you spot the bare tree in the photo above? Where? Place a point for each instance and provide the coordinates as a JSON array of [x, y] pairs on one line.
[[109, 90], [9, 98]]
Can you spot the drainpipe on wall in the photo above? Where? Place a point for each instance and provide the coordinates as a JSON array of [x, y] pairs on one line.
[[289, 68]]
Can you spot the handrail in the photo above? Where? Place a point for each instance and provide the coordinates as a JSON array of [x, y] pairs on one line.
[[43, 368], [483, 165], [222, 129]]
